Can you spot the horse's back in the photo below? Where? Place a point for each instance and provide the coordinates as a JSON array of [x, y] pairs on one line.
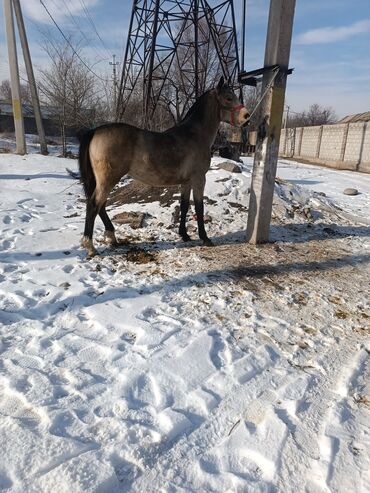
[[112, 138]]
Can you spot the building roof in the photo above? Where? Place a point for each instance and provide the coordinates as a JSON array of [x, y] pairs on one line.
[[357, 118], [6, 108], [47, 112]]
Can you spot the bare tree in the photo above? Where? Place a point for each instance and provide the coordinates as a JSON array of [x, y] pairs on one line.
[[69, 89], [315, 115], [6, 91]]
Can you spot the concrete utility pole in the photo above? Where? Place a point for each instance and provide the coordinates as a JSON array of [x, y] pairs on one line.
[[114, 77], [14, 79], [277, 51], [30, 75]]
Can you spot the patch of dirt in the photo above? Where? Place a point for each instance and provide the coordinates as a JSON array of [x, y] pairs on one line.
[[133, 219], [139, 256]]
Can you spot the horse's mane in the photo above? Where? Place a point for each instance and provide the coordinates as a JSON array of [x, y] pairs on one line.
[[195, 107]]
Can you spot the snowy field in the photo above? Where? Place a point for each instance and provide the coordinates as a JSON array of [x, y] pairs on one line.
[[161, 366]]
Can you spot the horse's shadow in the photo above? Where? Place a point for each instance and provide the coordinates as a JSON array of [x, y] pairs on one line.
[[288, 233]]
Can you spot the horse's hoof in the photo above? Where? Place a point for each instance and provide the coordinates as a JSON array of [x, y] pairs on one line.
[[110, 238], [91, 254], [87, 243], [186, 237], [208, 243]]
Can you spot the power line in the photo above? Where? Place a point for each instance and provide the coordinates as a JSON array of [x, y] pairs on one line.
[[87, 13], [97, 50], [69, 43]]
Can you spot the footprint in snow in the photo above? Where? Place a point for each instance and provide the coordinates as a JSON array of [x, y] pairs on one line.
[[219, 353], [21, 203], [144, 390], [6, 245], [7, 219], [19, 408]]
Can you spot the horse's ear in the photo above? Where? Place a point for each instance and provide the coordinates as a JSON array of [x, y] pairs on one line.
[[220, 84]]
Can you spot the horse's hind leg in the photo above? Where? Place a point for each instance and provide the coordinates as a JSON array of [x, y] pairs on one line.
[[198, 192], [109, 234], [91, 212], [94, 206], [184, 207]]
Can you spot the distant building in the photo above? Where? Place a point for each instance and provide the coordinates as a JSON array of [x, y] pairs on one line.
[[357, 118], [49, 119], [7, 122]]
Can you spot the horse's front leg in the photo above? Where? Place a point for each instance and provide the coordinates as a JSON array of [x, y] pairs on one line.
[[109, 234], [184, 207], [198, 192]]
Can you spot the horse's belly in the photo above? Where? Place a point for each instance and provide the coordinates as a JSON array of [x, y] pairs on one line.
[[156, 175]]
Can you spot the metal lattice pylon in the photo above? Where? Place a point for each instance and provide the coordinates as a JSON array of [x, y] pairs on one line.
[[176, 49]]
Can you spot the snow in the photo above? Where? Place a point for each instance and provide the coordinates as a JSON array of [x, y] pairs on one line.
[[236, 368]]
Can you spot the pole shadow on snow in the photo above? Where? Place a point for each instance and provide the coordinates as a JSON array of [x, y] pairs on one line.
[[287, 233]]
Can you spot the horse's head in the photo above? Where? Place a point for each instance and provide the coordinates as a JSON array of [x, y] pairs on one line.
[[232, 111]]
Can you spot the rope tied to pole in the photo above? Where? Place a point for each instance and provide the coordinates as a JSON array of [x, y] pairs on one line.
[[268, 87]]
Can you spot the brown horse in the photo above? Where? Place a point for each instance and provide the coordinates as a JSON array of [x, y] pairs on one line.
[[178, 156]]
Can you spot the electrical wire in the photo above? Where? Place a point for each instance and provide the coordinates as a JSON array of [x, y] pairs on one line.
[[87, 13], [69, 43], [98, 51]]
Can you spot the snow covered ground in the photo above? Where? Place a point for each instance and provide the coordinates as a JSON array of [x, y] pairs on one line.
[[162, 366]]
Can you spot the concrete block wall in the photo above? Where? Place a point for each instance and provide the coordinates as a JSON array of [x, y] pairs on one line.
[[343, 146], [365, 155], [282, 141], [310, 142], [331, 142], [288, 141], [297, 141], [353, 145]]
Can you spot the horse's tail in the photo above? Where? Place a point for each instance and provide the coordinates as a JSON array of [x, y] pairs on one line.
[[86, 172]]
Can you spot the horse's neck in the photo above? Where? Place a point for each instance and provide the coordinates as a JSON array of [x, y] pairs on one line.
[[206, 119]]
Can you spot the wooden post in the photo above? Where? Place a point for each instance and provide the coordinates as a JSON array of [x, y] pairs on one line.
[[31, 77], [14, 79], [277, 51]]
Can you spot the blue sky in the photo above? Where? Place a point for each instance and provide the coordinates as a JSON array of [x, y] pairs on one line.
[[330, 49]]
